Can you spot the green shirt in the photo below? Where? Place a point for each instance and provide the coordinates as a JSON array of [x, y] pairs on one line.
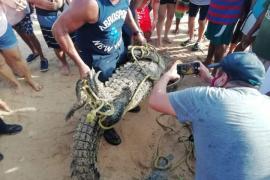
[[262, 43]]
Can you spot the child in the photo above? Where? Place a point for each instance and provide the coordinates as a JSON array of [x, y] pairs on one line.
[[180, 10], [144, 20]]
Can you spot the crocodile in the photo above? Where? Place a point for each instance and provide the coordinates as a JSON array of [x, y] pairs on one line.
[[104, 104]]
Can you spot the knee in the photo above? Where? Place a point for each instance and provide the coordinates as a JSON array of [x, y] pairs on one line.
[[161, 18], [201, 23], [170, 16]]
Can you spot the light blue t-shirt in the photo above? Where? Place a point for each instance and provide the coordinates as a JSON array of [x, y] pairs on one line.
[[258, 7], [231, 129]]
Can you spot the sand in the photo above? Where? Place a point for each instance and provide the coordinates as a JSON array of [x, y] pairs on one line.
[[43, 150]]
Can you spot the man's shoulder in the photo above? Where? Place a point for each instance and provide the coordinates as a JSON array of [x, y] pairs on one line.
[[85, 3]]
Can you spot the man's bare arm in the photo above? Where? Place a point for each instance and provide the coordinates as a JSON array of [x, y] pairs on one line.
[[159, 98], [131, 22], [139, 38], [78, 13]]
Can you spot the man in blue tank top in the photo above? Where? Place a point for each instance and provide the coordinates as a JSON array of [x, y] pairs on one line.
[[98, 24]]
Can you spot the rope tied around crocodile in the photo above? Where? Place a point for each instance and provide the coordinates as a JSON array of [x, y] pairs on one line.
[[100, 108], [97, 107]]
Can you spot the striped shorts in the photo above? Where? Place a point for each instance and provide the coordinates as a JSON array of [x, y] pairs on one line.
[[46, 23]]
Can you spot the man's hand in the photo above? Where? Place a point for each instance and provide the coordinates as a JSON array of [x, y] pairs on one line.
[[204, 73], [4, 106], [139, 39], [172, 72], [20, 5], [85, 71]]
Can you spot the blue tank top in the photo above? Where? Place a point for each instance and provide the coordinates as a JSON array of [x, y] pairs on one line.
[[105, 36]]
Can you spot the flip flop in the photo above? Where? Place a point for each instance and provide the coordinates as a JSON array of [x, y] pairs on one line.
[[185, 43], [31, 57], [196, 47]]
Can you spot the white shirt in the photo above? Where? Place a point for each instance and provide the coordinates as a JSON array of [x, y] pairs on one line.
[[3, 20]]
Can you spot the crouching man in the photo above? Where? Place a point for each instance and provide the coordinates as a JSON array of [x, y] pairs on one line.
[[230, 120]]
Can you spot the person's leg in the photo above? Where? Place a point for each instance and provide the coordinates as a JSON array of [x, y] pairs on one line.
[[210, 55], [193, 11], [27, 40], [242, 46], [237, 36], [170, 15], [64, 64], [25, 29], [220, 52], [177, 22], [18, 65], [191, 22], [202, 21], [7, 73], [161, 17], [35, 42]]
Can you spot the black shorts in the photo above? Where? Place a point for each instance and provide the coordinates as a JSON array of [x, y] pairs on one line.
[[167, 1], [194, 9]]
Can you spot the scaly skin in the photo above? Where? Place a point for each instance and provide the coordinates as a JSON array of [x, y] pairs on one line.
[[124, 91]]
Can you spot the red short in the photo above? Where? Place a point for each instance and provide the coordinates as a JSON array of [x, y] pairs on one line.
[[144, 19]]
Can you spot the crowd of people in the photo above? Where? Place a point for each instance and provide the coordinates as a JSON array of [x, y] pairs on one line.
[[229, 119]]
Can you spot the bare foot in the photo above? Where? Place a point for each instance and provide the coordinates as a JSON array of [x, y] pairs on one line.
[[64, 69], [19, 90], [36, 86], [4, 106], [176, 31], [167, 40], [158, 44]]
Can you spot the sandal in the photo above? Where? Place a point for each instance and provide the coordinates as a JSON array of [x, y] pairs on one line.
[[112, 137], [185, 43], [196, 47], [31, 57]]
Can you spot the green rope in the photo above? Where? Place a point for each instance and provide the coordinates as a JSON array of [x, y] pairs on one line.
[[189, 150], [97, 104]]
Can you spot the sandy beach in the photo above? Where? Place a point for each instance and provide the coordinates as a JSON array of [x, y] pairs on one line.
[[43, 150]]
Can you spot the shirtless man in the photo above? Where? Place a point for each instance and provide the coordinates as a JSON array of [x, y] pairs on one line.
[[99, 38]]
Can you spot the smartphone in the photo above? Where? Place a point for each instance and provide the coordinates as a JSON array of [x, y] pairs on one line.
[[188, 68]]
